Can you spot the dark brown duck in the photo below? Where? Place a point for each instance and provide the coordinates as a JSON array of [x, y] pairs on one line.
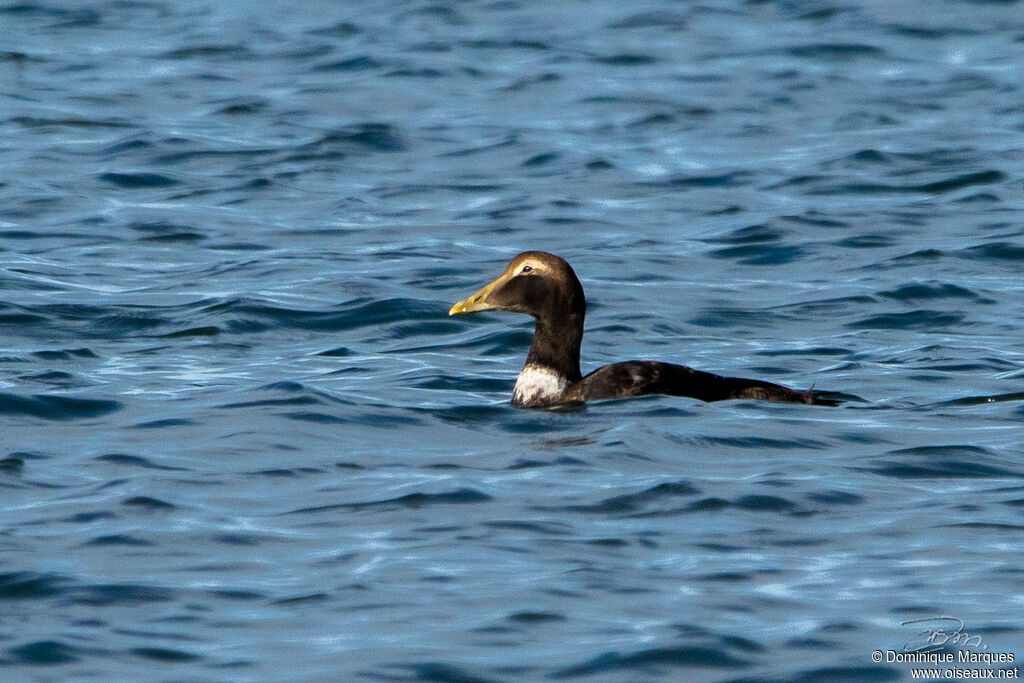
[[544, 285]]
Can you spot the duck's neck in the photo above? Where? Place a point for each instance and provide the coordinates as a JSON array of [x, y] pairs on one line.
[[556, 347], [552, 365]]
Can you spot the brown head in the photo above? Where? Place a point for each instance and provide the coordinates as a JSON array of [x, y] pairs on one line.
[[534, 282]]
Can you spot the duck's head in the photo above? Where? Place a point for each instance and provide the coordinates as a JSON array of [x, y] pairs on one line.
[[534, 282]]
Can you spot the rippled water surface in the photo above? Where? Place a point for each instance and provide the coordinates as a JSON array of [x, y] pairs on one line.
[[240, 439]]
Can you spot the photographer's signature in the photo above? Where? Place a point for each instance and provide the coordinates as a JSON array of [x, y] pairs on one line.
[[935, 634]]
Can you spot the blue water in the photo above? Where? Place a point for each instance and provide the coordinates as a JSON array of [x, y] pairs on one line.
[[240, 439]]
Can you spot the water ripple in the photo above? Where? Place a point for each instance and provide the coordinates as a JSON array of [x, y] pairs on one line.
[[411, 500], [55, 407]]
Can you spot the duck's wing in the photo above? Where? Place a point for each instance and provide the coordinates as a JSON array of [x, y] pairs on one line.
[[640, 377]]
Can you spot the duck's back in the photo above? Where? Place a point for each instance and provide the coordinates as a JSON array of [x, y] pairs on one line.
[[641, 377]]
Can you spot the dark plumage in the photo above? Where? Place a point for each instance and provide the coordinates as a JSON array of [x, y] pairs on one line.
[[545, 286]]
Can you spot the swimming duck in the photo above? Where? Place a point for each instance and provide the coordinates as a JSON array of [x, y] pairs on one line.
[[546, 287]]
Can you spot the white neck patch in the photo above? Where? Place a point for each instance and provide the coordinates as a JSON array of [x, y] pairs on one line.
[[538, 384]]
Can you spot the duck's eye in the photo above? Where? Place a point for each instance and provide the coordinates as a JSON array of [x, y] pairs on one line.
[[526, 269]]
